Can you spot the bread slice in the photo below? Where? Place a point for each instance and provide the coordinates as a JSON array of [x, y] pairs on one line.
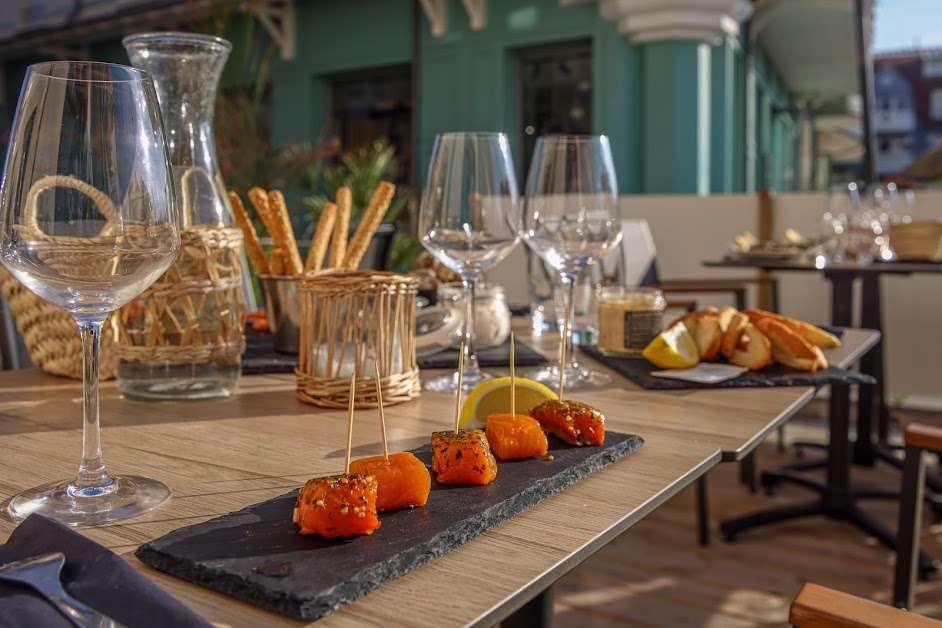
[[706, 333], [734, 330], [690, 319], [815, 335], [726, 315], [788, 347], [757, 351]]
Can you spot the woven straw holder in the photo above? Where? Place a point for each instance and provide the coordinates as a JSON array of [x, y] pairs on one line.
[[51, 334], [348, 319]]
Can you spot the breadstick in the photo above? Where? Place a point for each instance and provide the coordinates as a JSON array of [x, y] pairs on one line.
[[283, 233], [278, 261], [259, 198], [371, 219], [322, 233], [338, 244], [253, 247]]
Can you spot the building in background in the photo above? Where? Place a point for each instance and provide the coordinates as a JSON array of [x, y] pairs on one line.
[[908, 113], [698, 96]]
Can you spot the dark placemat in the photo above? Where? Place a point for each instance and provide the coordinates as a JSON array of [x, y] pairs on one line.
[[524, 355], [639, 370], [257, 554], [260, 355]]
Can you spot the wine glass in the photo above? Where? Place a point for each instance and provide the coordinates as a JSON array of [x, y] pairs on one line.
[[468, 221], [571, 220], [87, 222]]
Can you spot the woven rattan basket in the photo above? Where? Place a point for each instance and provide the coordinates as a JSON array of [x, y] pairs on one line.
[[920, 240], [51, 335], [348, 319]]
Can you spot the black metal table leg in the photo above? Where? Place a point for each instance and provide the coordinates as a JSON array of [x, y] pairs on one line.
[[703, 512], [537, 613]]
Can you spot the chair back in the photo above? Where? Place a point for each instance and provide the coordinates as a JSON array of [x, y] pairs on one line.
[[639, 253]]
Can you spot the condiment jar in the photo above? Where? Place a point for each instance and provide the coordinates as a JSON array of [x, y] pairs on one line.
[[629, 319], [491, 312]]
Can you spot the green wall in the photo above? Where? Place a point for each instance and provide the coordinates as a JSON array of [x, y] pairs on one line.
[[675, 111], [334, 37], [467, 80]]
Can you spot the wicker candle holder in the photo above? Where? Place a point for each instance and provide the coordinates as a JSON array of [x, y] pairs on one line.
[[348, 320]]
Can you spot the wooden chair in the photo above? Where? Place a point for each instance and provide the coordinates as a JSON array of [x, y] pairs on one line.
[[641, 269], [918, 438], [819, 607]]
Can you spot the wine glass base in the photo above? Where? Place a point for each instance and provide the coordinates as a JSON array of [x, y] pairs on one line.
[[448, 383], [123, 497], [578, 378]]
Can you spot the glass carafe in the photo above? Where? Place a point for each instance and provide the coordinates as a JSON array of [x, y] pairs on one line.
[[183, 339]]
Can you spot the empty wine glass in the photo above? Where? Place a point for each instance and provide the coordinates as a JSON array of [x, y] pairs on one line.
[[571, 220], [88, 221], [468, 221]]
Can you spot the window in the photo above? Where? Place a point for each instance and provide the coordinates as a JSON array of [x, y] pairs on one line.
[[931, 69], [935, 104], [555, 93], [374, 104]]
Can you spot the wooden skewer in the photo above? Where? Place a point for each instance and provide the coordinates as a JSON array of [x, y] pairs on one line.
[[458, 390], [564, 336], [353, 389], [513, 379], [382, 415]]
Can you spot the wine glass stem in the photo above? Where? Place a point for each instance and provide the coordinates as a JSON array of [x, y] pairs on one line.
[[470, 356], [92, 472], [569, 292]]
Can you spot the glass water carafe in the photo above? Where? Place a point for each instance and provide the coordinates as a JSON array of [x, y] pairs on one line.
[[183, 338]]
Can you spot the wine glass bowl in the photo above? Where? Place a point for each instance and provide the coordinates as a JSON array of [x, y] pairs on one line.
[[468, 221], [87, 222], [571, 220]]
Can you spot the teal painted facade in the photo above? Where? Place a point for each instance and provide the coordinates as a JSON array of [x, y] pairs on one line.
[[677, 112]]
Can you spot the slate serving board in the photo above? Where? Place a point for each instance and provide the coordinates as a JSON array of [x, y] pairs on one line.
[[524, 355], [639, 370], [260, 356], [257, 554]]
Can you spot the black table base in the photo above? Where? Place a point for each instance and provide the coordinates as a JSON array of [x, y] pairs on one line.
[[837, 499]]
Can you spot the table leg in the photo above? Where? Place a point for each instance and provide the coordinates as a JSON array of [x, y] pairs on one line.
[[537, 613], [842, 298]]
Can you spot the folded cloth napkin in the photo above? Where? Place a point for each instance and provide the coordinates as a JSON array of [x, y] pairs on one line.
[[92, 574]]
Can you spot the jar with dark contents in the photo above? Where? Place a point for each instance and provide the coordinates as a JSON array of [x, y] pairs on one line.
[[629, 319]]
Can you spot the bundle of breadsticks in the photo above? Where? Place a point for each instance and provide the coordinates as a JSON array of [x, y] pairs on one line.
[[756, 338], [332, 229]]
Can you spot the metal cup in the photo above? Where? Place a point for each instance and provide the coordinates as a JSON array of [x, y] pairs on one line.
[[283, 310]]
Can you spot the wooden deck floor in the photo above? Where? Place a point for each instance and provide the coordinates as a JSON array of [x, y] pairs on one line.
[[657, 575]]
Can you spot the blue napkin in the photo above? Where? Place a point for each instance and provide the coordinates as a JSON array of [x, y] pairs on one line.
[[92, 574]]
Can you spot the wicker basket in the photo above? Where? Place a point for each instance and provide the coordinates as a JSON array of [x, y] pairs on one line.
[[51, 335], [348, 319], [920, 240]]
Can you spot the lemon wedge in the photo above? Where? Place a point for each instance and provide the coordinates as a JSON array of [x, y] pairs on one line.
[[493, 397], [673, 349]]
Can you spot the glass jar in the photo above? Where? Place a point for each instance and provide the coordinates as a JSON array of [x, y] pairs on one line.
[[629, 319], [491, 313], [183, 338]]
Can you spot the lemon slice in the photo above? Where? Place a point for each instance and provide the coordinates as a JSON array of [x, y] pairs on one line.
[[493, 397], [673, 349]]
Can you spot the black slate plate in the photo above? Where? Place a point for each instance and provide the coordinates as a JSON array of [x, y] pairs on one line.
[[524, 355], [639, 370], [257, 555], [260, 355]]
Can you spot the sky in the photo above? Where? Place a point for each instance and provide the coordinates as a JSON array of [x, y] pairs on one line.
[[907, 24]]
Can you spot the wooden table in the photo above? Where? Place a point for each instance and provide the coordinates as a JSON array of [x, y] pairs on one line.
[[219, 456]]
